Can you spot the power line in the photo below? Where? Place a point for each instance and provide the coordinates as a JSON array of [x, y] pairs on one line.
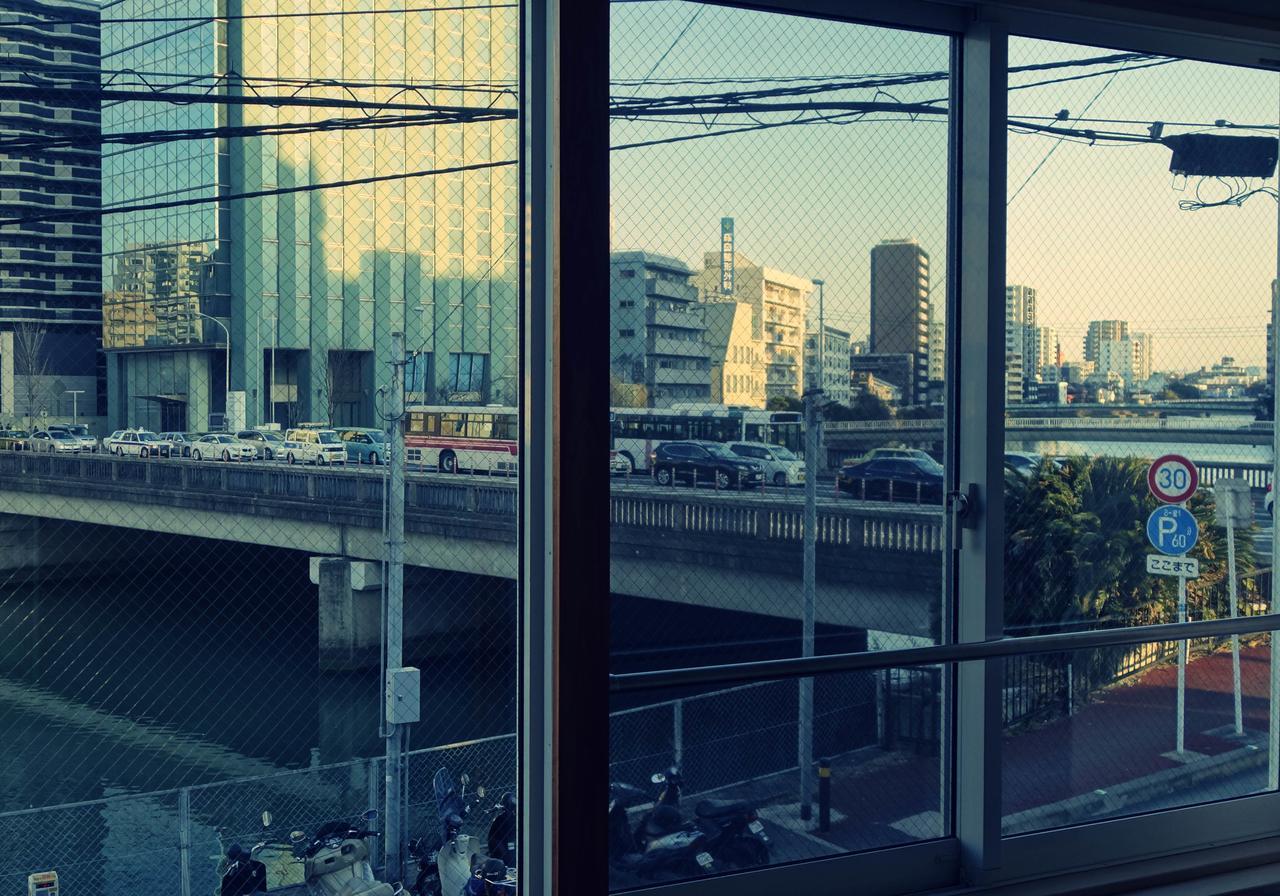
[[72, 214]]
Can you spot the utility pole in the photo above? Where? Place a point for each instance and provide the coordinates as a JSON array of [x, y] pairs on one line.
[[812, 423], [395, 715], [75, 407]]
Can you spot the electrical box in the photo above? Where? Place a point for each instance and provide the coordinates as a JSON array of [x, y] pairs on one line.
[[1220, 155], [42, 883], [403, 695]]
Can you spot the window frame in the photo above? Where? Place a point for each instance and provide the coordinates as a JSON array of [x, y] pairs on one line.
[[562, 692]]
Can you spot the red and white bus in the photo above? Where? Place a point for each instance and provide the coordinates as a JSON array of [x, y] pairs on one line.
[[454, 439]]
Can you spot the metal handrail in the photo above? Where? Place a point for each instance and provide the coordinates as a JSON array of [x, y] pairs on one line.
[[798, 667]]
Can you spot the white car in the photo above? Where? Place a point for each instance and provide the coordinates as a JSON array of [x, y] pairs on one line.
[[137, 443], [221, 446], [619, 465], [313, 446], [54, 441], [781, 467], [80, 433]]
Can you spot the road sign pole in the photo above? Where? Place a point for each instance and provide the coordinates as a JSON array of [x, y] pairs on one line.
[[1182, 667], [1235, 639]]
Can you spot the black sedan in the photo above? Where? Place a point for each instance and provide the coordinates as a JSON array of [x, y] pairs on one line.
[[703, 462], [893, 479]]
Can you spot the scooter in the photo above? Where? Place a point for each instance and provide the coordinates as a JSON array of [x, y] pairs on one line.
[[735, 834], [451, 864], [678, 853], [333, 862]]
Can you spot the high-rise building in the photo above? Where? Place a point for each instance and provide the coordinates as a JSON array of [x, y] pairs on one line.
[[1100, 330], [737, 355], [900, 308], [50, 269], [307, 286], [937, 352], [835, 363], [1042, 354], [778, 301], [1019, 334], [1271, 338], [657, 329], [1142, 356]]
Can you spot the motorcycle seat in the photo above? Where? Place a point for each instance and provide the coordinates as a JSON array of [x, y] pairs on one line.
[[367, 888], [662, 821], [721, 808]]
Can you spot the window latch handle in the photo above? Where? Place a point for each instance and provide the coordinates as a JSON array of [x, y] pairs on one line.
[[963, 507]]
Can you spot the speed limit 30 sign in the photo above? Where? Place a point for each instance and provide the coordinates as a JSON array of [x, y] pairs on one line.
[[1172, 478]]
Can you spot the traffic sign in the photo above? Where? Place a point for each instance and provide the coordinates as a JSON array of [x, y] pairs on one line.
[[1172, 478], [1172, 529], [1183, 567], [1233, 501]]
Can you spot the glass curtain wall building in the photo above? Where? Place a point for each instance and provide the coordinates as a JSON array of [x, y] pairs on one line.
[[50, 295], [307, 283]]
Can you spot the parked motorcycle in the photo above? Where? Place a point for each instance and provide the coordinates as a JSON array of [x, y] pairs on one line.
[[450, 863], [735, 834], [677, 853], [333, 862]]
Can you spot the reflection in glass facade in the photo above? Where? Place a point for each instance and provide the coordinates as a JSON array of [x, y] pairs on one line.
[[310, 284], [50, 296]]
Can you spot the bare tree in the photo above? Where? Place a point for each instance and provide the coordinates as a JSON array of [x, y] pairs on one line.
[[30, 364], [341, 379]]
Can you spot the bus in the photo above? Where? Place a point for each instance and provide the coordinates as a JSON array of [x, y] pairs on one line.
[[636, 432], [453, 439]]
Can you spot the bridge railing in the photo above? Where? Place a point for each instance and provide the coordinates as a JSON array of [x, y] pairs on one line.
[[883, 527], [343, 487]]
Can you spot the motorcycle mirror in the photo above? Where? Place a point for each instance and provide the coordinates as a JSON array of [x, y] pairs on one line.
[[296, 836], [480, 791], [266, 819], [659, 778], [371, 816], [465, 779]]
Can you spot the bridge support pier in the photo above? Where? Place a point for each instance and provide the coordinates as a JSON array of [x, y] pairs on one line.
[[350, 612]]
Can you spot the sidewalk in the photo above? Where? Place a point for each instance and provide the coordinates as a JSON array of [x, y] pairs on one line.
[[1110, 754]]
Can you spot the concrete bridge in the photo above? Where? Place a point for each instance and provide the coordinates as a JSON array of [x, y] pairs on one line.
[[879, 565], [845, 439]]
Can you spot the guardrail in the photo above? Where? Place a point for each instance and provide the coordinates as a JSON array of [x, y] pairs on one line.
[[913, 529], [340, 487], [1139, 423]]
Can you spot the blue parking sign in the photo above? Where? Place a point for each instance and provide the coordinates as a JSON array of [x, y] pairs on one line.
[[1172, 529]]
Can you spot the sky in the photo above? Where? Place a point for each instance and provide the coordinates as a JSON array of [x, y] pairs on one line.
[[1096, 229]]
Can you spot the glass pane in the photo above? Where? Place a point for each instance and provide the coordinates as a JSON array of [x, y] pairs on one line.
[[778, 281], [197, 624], [1141, 263], [1093, 734], [698, 778]]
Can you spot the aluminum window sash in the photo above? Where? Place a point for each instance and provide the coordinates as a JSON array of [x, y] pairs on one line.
[[963, 652], [916, 867], [1141, 30], [916, 15]]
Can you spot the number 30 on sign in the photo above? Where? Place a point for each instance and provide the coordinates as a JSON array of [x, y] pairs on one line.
[[1172, 478]]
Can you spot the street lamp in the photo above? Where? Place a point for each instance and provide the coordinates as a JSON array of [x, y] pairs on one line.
[[226, 384], [813, 422], [75, 408]]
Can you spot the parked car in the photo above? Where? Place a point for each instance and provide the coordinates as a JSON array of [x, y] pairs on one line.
[[781, 466], [893, 479], [1020, 463], [364, 445], [313, 446], [15, 440], [221, 446], [138, 443], [889, 453], [698, 461], [54, 441], [80, 433], [179, 442], [264, 442], [619, 464]]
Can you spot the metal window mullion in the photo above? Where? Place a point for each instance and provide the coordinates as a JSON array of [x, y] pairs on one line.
[[564, 539], [979, 375]]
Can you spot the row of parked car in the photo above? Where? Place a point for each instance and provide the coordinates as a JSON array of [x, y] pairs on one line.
[[304, 445]]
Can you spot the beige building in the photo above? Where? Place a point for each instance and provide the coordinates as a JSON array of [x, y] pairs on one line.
[[737, 355], [777, 301]]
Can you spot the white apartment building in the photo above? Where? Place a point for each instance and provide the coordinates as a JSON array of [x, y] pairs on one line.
[[778, 301]]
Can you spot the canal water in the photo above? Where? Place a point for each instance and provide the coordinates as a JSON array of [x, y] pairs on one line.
[[199, 662]]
